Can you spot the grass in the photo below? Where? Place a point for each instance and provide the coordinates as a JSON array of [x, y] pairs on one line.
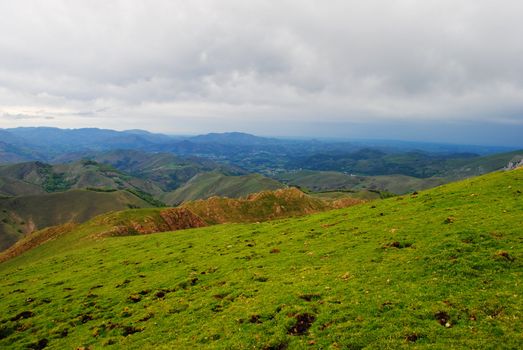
[[24, 214], [210, 184], [441, 269], [320, 181]]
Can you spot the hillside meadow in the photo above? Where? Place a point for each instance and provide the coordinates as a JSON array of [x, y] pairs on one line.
[[438, 269]]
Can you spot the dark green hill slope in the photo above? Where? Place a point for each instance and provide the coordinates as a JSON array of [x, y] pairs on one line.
[[206, 185], [37, 177], [22, 215], [166, 170], [319, 181], [441, 269], [372, 162]]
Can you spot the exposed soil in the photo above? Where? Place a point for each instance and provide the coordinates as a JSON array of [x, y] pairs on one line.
[[255, 319], [172, 219], [302, 325], [443, 318], [22, 315], [412, 337], [135, 298], [502, 254], [128, 330], [310, 297]]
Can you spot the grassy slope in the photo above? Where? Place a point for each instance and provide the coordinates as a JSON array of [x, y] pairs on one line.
[[166, 170], [36, 178], [457, 169], [332, 180], [380, 275], [261, 206], [25, 214], [215, 184]]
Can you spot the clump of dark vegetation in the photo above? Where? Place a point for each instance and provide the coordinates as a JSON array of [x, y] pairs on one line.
[[39, 345], [310, 297], [399, 245], [147, 197], [56, 182]]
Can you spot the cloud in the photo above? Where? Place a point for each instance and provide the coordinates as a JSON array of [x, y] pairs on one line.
[[245, 64]]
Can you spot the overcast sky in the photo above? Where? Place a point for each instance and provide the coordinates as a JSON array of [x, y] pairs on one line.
[[417, 70]]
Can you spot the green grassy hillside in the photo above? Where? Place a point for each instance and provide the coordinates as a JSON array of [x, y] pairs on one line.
[[22, 215], [262, 206], [371, 162], [37, 177], [441, 269], [166, 170], [206, 185], [319, 181]]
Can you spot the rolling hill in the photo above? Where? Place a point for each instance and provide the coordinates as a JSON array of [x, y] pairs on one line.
[[321, 181], [439, 269], [166, 170], [23, 215], [37, 178], [210, 184], [262, 206], [372, 162]]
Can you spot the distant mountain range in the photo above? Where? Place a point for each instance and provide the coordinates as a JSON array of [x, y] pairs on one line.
[[46, 144], [51, 175]]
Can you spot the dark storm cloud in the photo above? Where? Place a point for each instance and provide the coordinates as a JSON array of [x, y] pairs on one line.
[[179, 66]]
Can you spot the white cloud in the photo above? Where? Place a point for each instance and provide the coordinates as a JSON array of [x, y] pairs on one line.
[[245, 63]]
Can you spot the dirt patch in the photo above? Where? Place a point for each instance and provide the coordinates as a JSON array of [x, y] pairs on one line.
[[412, 338], [124, 283], [449, 220], [128, 330], [22, 315], [85, 318], [172, 219], [303, 323], [135, 298], [504, 255], [310, 297], [255, 319], [39, 345], [146, 317], [443, 319]]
